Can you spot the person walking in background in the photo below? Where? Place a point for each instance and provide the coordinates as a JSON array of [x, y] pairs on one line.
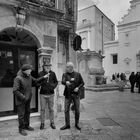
[[22, 89], [137, 78], [132, 79], [118, 75], [47, 94], [138, 81], [113, 77], [73, 81], [123, 77]]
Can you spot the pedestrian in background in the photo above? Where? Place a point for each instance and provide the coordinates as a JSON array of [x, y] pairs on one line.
[[118, 75], [132, 79], [113, 77], [138, 81], [47, 94], [22, 89], [137, 78], [123, 77], [73, 81]]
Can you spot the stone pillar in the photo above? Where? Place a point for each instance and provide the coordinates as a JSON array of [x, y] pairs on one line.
[[88, 40], [72, 53]]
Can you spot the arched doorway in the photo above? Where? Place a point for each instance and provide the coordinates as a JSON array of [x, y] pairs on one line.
[[17, 47]]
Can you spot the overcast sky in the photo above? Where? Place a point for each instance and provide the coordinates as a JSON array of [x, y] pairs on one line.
[[113, 9]]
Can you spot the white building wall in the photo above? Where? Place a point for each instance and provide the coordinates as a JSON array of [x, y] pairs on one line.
[[89, 26], [110, 68], [85, 27], [128, 43], [87, 13], [92, 39], [127, 49]]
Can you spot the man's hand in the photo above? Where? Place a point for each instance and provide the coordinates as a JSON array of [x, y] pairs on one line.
[[47, 75], [76, 89], [68, 83], [23, 98]]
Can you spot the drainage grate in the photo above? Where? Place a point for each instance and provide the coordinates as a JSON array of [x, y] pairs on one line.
[[107, 122]]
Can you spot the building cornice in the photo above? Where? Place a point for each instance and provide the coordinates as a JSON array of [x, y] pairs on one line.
[[134, 2], [111, 44], [88, 25], [66, 23], [129, 24], [87, 55]]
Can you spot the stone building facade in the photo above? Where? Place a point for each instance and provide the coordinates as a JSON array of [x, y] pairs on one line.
[[94, 28], [123, 55], [34, 32]]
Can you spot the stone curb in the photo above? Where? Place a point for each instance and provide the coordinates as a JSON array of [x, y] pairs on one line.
[[104, 89]]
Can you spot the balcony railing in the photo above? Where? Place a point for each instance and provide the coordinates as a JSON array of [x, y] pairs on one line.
[[48, 3], [66, 6]]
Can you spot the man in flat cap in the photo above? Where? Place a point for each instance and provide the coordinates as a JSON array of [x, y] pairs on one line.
[[22, 90], [47, 94]]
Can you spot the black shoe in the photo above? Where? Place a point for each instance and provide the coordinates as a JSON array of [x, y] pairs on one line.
[[22, 132], [29, 128], [42, 126], [78, 127], [65, 127], [52, 126]]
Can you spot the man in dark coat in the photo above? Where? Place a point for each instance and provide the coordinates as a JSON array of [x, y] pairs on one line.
[[132, 79], [73, 81], [47, 94], [22, 89]]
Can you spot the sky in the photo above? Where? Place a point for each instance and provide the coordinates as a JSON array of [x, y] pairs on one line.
[[113, 9]]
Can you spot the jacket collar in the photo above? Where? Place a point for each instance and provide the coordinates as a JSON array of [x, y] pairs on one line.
[[22, 74], [47, 72]]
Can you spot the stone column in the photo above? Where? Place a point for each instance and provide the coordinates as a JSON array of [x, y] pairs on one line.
[[89, 40]]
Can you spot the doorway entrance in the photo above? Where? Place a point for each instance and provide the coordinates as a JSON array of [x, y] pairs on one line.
[[16, 48]]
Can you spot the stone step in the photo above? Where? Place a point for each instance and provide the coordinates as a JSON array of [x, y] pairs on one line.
[[10, 121], [104, 88]]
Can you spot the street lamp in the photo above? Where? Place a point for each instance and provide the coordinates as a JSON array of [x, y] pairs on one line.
[[20, 18]]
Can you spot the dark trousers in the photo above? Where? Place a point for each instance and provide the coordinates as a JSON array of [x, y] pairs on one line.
[[76, 100], [132, 87], [23, 111]]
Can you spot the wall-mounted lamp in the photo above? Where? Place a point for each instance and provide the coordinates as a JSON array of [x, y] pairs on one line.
[[127, 60], [20, 18]]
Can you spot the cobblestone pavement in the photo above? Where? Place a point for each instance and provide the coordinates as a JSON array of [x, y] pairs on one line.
[[109, 115]]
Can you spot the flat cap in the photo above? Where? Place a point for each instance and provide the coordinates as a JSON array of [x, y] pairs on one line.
[[47, 64], [26, 67]]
